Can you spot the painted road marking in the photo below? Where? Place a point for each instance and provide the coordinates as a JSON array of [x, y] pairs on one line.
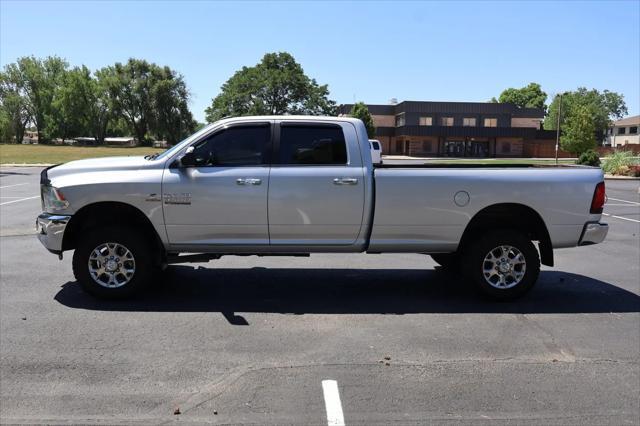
[[17, 201], [335, 417], [17, 184], [624, 201], [620, 217]]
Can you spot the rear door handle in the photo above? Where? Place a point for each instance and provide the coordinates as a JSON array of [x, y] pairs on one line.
[[345, 181], [248, 181]]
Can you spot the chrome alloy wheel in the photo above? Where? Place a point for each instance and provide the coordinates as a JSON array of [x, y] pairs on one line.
[[111, 265], [504, 267]]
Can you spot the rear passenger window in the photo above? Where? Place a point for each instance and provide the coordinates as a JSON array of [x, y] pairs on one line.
[[376, 146], [312, 144]]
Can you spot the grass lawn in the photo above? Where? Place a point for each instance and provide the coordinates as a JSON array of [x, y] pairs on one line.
[[54, 154]]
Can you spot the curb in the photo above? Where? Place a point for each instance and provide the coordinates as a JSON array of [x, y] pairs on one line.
[[614, 177], [26, 165]]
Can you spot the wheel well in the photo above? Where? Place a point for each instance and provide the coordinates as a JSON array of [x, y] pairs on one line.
[[512, 216], [108, 214]]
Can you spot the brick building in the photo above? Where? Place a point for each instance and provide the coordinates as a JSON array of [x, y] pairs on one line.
[[460, 129]]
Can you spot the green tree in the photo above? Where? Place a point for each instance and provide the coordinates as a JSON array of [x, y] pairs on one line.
[[129, 86], [153, 100], [361, 111], [579, 131], [530, 96], [38, 80], [277, 85], [604, 107], [172, 120], [14, 115]]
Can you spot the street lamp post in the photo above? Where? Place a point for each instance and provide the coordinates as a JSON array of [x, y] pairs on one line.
[[558, 128]]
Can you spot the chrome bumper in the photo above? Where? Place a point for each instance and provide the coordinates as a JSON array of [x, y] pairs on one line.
[[593, 233], [50, 229]]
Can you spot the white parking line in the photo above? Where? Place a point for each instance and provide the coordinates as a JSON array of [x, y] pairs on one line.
[[620, 217], [624, 201], [17, 184], [17, 201], [335, 417]]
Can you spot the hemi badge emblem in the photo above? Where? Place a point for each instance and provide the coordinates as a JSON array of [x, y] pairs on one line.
[[184, 198], [153, 197]]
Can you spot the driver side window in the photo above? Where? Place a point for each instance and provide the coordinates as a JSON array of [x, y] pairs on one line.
[[235, 146]]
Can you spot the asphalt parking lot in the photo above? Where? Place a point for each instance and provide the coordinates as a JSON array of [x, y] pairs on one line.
[[269, 340]]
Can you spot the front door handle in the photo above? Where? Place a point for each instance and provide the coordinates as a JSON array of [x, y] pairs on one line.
[[248, 181], [345, 181]]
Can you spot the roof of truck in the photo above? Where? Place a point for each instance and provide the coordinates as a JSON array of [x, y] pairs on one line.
[[287, 117]]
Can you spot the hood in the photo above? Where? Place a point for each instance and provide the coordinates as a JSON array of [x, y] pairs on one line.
[[99, 165]]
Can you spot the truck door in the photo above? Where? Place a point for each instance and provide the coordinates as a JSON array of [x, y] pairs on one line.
[[316, 187], [222, 199]]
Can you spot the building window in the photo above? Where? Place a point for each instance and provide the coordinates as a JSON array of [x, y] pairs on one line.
[[400, 120], [469, 122], [633, 130], [446, 121], [621, 130], [426, 146], [426, 121], [399, 147], [490, 122], [506, 148]]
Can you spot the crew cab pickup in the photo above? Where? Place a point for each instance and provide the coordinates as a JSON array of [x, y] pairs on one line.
[[289, 185]]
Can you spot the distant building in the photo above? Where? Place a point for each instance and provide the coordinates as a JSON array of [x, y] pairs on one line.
[[624, 132], [30, 137], [460, 129]]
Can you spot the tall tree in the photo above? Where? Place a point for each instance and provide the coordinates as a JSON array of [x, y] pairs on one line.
[[38, 81], [13, 109], [152, 100], [579, 133], [530, 96], [172, 120], [277, 85], [130, 86], [604, 107], [361, 111]]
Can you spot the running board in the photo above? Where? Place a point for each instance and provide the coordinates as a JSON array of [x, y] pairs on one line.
[[206, 257]]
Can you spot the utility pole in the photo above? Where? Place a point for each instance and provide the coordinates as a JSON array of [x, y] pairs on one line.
[[558, 128]]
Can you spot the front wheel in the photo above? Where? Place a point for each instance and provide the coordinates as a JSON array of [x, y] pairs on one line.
[[502, 264], [113, 263]]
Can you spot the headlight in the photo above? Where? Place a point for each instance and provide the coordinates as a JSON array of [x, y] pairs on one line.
[[52, 199]]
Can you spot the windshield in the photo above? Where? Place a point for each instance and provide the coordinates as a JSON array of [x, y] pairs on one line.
[[177, 147]]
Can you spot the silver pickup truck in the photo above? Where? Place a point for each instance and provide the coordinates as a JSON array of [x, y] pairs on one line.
[[300, 185]]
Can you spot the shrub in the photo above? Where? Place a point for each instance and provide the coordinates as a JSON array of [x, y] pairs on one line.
[[589, 158], [618, 163]]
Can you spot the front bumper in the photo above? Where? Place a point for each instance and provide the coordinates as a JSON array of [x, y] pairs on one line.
[[50, 229], [593, 233]]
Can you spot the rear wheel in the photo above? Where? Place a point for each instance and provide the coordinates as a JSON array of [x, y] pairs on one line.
[[502, 264], [113, 263]]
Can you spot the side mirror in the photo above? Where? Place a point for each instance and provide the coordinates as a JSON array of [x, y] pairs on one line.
[[189, 158]]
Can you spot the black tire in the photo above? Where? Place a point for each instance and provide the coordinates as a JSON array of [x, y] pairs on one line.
[[479, 272], [446, 260], [128, 238]]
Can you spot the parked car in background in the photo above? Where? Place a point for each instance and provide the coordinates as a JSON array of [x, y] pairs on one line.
[[376, 151]]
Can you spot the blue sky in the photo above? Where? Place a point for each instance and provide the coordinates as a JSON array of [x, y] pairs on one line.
[[369, 51]]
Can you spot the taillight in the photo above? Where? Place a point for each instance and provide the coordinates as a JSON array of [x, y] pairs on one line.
[[597, 203]]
